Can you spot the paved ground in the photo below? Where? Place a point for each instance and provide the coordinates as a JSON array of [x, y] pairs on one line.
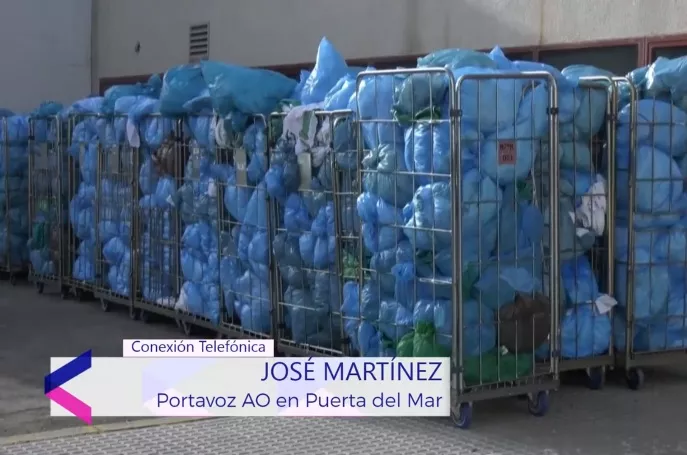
[[33, 328]]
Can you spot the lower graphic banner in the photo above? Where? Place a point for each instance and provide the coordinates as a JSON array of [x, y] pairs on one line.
[[239, 386]]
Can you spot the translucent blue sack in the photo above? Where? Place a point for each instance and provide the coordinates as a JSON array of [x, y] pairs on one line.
[[579, 282], [252, 303], [112, 94], [180, 85], [16, 132], [662, 335], [456, 58], [499, 284], [388, 177], [650, 278], [200, 299], [584, 333], [236, 198], [254, 222], [330, 66], [428, 150], [339, 96], [305, 317], [479, 330], [659, 183], [431, 209], [518, 160], [668, 75], [244, 90], [395, 320], [659, 124], [521, 225], [591, 114], [298, 89], [374, 101]]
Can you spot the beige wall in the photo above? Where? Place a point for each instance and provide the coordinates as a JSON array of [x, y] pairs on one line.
[[46, 47], [272, 32]]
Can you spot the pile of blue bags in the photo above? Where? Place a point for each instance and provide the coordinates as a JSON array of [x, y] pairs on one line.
[[14, 230], [658, 216], [300, 182], [585, 324], [50, 189]]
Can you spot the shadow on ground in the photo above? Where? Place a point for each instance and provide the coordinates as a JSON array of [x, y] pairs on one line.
[[35, 327]]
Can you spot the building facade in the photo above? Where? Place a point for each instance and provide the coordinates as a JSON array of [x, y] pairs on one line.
[[46, 47]]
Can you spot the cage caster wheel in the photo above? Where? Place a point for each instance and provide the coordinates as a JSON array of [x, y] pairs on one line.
[[64, 294], [104, 305], [13, 279], [78, 293], [463, 418], [40, 287], [538, 403], [134, 314], [635, 378], [144, 316], [220, 336], [186, 327], [596, 378]]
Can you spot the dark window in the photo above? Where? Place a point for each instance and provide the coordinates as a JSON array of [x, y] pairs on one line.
[[617, 59], [668, 52]]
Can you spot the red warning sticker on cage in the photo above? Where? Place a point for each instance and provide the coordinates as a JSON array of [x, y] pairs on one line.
[[507, 152]]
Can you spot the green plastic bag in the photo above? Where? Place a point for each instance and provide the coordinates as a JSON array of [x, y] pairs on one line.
[[404, 348], [496, 367], [425, 342]]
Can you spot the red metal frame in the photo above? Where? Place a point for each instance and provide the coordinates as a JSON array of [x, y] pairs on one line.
[[645, 47]]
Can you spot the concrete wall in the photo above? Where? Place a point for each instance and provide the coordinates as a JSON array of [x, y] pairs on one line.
[[272, 32], [46, 49]]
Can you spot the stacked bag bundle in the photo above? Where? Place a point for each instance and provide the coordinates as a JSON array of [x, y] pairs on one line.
[[300, 182], [50, 220], [658, 217], [585, 312], [240, 98], [14, 137], [83, 149]]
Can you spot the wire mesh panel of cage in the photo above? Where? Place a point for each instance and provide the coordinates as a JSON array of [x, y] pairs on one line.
[[199, 179], [157, 224], [476, 284], [82, 251], [505, 240], [245, 227], [311, 183], [114, 201], [586, 140], [14, 169], [48, 201], [650, 246]]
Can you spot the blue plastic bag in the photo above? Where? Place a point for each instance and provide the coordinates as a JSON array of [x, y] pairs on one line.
[[180, 85], [330, 66]]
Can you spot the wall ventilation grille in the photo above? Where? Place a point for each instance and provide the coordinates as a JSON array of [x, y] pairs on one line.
[[199, 42]]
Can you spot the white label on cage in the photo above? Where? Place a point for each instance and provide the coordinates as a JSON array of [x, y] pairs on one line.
[[604, 303], [305, 170], [241, 165], [507, 152], [212, 188]]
